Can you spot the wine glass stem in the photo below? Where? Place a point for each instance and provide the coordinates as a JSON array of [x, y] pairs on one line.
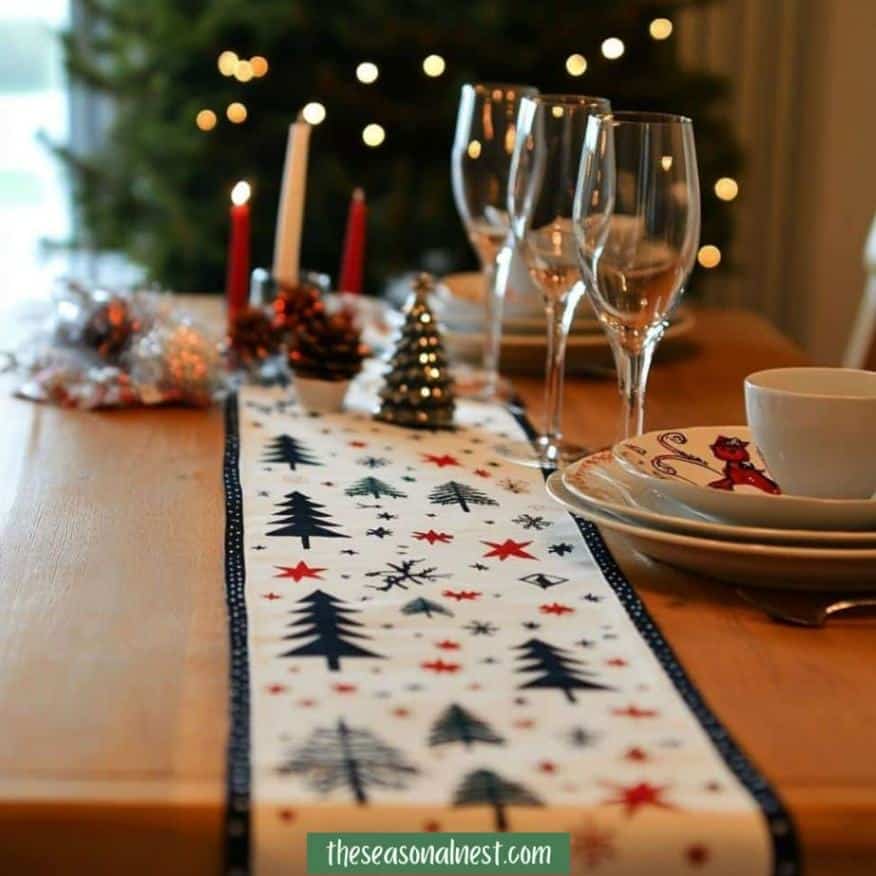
[[559, 316], [632, 375], [495, 281]]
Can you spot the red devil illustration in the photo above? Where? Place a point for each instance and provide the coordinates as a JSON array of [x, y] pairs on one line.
[[738, 470]]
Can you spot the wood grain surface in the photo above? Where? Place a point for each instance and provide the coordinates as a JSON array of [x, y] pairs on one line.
[[113, 654]]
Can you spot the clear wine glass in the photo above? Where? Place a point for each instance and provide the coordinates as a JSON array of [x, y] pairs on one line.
[[637, 225], [480, 163], [541, 194]]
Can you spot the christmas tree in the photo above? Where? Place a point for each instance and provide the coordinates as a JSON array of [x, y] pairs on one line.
[[157, 189], [426, 607], [289, 450], [484, 787], [327, 620], [456, 724], [419, 389], [373, 487], [455, 493], [342, 756], [304, 520], [557, 669]]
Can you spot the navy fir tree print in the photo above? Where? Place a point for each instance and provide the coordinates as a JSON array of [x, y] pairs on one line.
[[426, 607], [556, 668], [286, 449], [455, 493], [456, 724], [374, 487], [303, 519], [326, 619], [486, 788], [343, 756]]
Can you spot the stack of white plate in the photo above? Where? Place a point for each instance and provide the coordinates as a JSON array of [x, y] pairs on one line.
[[458, 303], [702, 499]]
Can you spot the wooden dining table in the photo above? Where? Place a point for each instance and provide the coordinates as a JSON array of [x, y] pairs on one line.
[[113, 635]]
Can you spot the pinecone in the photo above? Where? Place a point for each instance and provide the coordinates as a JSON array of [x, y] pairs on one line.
[[326, 346], [109, 328], [253, 336], [290, 304]]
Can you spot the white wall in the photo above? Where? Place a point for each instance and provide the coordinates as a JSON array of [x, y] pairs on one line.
[[804, 73]]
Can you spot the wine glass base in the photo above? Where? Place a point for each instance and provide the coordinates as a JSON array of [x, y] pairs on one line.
[[540, 454], [476, 384]]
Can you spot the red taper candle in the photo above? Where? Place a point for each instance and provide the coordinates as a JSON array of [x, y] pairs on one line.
[[237, 281], [353, 257]]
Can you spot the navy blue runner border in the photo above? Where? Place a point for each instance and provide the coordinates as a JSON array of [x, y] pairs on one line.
[[783, 834]]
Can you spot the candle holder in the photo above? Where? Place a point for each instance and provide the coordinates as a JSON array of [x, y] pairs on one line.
[[263, 286]]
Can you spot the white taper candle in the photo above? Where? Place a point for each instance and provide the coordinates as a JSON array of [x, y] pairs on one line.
[[290, 213]]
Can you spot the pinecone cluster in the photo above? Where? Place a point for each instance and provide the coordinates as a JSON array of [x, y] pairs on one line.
[[253, 336], [290, 305], [325, 346]]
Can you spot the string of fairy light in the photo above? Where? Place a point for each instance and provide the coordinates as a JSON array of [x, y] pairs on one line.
[[433, 66]]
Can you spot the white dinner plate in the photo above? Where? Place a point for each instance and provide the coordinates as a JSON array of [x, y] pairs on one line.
[[689, 464], [602, 484], [745, 563], [525, 354]]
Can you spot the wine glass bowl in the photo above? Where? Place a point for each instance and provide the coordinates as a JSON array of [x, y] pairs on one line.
[[637, 226], [483, 145]]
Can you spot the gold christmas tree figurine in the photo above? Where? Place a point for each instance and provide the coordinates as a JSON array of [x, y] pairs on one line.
[[419, 389]]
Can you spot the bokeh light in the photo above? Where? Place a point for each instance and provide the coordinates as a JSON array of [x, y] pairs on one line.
[[367, 72], [434, 65], [660, 28], [236, 112], [709, 256], [576, 65], [313, 113], [373, 134], [726, 188], [227, 62], [206, 120], [612, 48]]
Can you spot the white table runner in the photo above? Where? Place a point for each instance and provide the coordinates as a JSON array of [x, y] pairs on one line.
[[422, 641]]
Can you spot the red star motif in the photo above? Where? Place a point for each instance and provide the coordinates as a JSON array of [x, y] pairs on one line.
[[432, 826], [276, 688], [474, 686], [271, 596], [447, 645], [307, 703], [635, 712], [441, 461], [696, 855], [633, 797], [344, 688], [431, 536], [713, 787], [286, 815], [460, 595], [616, 661], [555, 608], [482, 473], [401, 712], [636, 754], [302, 570], [547, 766], [358, 444], [508, 548], [440, 666], [524, 724]]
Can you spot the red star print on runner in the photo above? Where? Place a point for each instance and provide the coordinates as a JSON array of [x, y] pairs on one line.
[[460, 595], [302, 570], [343, 688], [431, 536], [555, 608], [482, 473], [592, 845], [286, 815], [547, 766], [508, 548], [447, 645], [633, 797], [616, 661], [440, 666], [271, 596], [441, 461], [696, 855], [634, 712], [276, 688], [358, 444], [635, 754]]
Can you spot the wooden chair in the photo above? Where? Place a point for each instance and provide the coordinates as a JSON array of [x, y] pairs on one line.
[[861, 349]]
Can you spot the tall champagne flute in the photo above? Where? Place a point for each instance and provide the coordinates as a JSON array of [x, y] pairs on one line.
[[544, 170], [480, 163], [637, 225]]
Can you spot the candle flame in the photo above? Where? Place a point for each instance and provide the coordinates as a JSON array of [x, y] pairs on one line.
[[240, 193]]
